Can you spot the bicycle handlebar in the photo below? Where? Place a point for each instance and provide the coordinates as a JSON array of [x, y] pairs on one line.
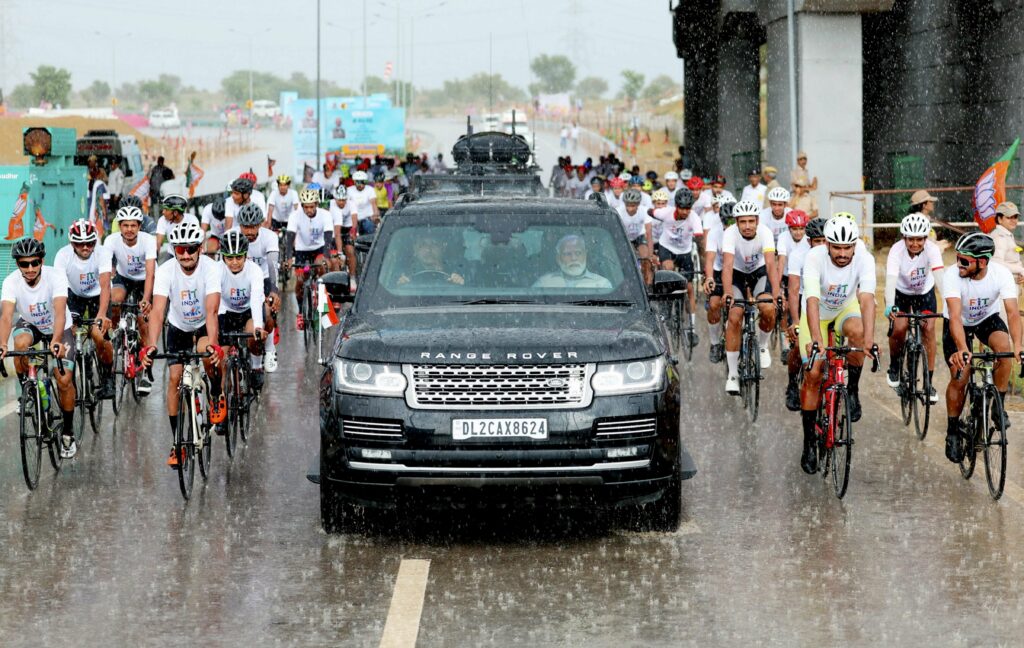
[[923, 315], [989, 356], [843, 351], [181, 355], [752, 302], [30, 353]]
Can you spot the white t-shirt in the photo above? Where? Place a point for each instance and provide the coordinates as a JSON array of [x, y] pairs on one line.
[[283, 205], [186, 294], [914, 275], [795, 263], [979, 298], [776, 225], [836, 287], [748, 255], [256, 198], [362, 202], [677, 235], [787, 247], [703, 202], [34, 304], [309, 232], [243, 291], [326, 183], [217, 225], [262, 248], [131, 261], [164, 227], [341, 215], [83, 275], [754, 194], [714, 244], [613, 201], [634, 225]]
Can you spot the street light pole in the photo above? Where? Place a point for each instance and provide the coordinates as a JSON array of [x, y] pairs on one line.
[[318, 82], [250, 81], [364, 54]]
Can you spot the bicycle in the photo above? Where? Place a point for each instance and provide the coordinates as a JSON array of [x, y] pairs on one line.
[[237, 389], [192, 438], [38, 425], [87, 379], [750, 355], [309, 316], [676, 315], [284, 267], [833, 428], [981, 407], [127, 341], [915, 401]]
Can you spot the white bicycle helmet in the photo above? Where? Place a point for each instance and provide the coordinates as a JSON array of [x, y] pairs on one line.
[[307, 196], [722, 198], [746, 208], [841, 231], [685, 175], [359, 176], [671, 175], [659, 196], [915, 225], [186, 233], [340, 192], [778, 194], [129, 213], [82, 231]]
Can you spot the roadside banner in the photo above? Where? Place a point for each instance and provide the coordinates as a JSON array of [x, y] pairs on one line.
[[347, 126], [16, 226], [990, 190]]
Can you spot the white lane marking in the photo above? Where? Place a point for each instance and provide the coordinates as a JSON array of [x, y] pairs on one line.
[[403, 623], [9, 408], [937, 451]]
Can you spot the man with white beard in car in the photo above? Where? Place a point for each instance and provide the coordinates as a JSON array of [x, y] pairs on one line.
[[571, 256]]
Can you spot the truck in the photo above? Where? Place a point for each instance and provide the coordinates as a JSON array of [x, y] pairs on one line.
[[108, 145]]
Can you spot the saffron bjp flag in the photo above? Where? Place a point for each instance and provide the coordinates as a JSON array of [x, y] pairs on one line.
[[990, 190], [16, 226], [141, 191], [193, 174], [39, 228], [270, 167]]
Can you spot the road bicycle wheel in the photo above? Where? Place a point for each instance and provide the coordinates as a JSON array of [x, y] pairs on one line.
[[120, 380], [968, 438], [751, 376], [31, 434], [306, 308], [245, 390], [81, 397], [204, 433], [685, 327], [995, 446], [669, 311], [184, 437], [923, 401], [907, 386], [95, 405], [842, 447], [231, 392]]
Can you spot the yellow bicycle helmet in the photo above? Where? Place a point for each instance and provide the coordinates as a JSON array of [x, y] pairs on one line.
[[284, 179]]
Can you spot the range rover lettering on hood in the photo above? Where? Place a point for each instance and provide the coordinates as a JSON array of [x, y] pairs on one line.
[[526, 355]]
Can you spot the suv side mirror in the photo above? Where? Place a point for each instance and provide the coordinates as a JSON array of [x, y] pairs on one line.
[[668, 285], [364, 242], [337, 285]]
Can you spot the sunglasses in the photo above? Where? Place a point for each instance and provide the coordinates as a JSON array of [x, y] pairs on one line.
[[90, 244], [233, 256], [964, 262], [30, 264], [186, 249]]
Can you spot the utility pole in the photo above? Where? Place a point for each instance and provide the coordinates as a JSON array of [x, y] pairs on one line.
[[398, 52], [490, 72], [317, 83], [364, 54]]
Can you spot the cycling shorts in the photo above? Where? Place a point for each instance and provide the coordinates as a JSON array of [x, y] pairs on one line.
[[277, 226], [682, 262], [131, 287], [719, 290], [178, 340], [981, 331], [83, 307], [756, 283], [231, 322], [851, 310], [308, 258], [905, 303], [21, 327]]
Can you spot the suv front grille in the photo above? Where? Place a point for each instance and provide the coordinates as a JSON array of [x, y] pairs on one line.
[[379, 430], [631, 428], [499, 386]]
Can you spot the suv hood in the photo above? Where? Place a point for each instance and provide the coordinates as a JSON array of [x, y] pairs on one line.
[[514, 334]]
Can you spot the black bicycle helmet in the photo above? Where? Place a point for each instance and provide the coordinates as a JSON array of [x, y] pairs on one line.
[[976, 245], [725, 211], [174, 202], [815, 228], [234, 243], [378, 177], [28, 247], [242, 185], [684, 198], [131, 201], [218, 209], [249, 214]]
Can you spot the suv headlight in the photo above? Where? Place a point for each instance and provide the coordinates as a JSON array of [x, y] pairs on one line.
[[632, 377], [368, 378]]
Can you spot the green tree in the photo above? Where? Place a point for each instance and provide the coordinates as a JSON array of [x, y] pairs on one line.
[[591, 88], [52, 84], [157, 93], [24, 95], [97, 93], [660, 86], [554, 73], [632, 83]]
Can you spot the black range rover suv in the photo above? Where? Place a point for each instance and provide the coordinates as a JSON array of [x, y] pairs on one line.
[[501, 345]]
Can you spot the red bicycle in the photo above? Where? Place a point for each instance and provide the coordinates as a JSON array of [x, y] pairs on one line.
[[833, 427]]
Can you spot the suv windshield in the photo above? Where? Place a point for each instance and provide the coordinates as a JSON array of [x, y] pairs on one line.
[[503, 258]]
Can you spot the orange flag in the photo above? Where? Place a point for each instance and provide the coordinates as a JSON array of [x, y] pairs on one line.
[[990, 190], [39, 229], [15, 226]]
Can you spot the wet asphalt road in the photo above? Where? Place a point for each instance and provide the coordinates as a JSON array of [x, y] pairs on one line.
[[106, 553]]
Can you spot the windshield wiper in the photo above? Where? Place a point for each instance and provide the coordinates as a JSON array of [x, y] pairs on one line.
[[478, 302], [601, 302]]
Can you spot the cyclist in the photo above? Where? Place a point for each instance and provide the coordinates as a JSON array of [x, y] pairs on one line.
[[383, 193], [214, 224], [243, 299], [671, 184], [814, 235], [37, 295], [839, 291], [774, 215], [148, 224], [616, 187], [364, 201], [134, 267], [187, 291], [242, 194], [680, 227], [638, 229], [788, 243], [713, 280], [282, 203], [344, 228], [309, 240], [255, 196], [87, 270], [974, 290], [172, 212], [748, 268], [263, 251], [706, 195], [913, 271], [596, 186]]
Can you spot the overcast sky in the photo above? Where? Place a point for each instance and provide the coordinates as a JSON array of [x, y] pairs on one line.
[[191, 38]]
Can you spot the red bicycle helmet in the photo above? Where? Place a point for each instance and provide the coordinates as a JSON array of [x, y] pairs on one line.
[[617, 183], [250, 176], [797, 218], [695, 184], [82, 231]]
